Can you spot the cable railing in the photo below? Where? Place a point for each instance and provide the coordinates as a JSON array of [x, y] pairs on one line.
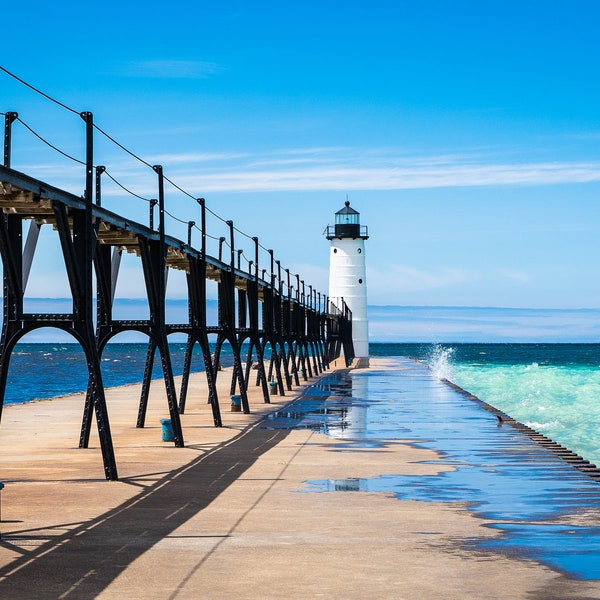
[[243, 251]]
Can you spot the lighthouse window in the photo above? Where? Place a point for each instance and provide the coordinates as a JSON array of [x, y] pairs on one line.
[[360, 281], [359, 250], [335, 250]]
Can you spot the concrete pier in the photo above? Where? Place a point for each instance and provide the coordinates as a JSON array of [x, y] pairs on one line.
[[228, 516]]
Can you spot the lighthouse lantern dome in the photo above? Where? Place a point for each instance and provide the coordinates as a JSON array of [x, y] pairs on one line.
[[347, 224]]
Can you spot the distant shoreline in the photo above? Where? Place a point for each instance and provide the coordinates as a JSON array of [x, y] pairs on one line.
[[388, 323]]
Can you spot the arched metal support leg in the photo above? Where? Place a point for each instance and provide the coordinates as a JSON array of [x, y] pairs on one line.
[[211, 380], [141, 419], [185, 377], [167, 368]]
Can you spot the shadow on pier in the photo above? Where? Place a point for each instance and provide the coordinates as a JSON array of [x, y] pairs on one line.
[[84, 561]]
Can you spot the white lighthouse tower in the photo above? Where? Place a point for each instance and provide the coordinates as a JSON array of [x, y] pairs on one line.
[[347, 273]]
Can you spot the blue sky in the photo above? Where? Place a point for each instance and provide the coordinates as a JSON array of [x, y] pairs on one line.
[[466, 133]]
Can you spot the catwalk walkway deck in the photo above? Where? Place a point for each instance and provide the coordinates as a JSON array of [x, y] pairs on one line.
[[382, 483]]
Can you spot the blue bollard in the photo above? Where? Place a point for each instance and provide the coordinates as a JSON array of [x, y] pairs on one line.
[[236, 403], [167, 430]]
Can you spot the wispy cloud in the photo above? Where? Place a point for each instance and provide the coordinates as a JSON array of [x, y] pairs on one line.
[[195, 158], [172, 69], [336, 168]]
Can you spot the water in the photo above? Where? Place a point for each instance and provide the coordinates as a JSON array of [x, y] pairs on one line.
[[554, 388], [39, 371], [543, 508]]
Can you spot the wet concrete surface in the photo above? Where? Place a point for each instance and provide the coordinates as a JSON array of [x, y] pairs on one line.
[[545, 509], [445, 503]]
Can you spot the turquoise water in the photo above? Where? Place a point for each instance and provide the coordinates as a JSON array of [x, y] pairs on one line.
[[554, 388]]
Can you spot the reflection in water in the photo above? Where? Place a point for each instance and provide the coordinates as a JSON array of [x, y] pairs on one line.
[[501, 474]]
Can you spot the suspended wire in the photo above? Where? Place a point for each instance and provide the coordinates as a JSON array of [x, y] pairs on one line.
[[126, 189], [177, 187], [122, 147], [242, 233], [214, 214], [38, 91], [212, 237], [265, 249], [39, 137], [174, 217]]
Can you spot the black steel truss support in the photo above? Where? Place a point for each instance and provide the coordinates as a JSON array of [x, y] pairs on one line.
[[253, 312], [196, 280], [76, 234], [254, 344], [148, 367], [33, 235], [185, 378], [228, 333], [280, 331], [153, 257]]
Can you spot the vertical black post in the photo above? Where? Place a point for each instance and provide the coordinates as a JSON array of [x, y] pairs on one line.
[[153, 203], [99, 170], [281, 328], [280, 286], [231, 246], [291, 358], [221, 241], [82, 309], [300, 331], [157, 306], [202, 203], [209, 366], [255, 240], [190, 226], [9, 119], [305, 330]]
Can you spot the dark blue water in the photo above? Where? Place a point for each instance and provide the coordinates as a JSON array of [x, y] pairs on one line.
[[564, 355], [40, 371]]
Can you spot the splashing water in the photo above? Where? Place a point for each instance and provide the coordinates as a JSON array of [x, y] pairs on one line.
[[554, 388], [440, 361]]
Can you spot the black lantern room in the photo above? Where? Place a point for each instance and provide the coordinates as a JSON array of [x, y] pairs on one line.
[[347, 224]]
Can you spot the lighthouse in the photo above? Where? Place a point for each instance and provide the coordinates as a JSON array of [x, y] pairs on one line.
[[347, 272]]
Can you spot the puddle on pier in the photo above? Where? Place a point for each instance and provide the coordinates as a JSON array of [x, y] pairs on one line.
[[502, 475]]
